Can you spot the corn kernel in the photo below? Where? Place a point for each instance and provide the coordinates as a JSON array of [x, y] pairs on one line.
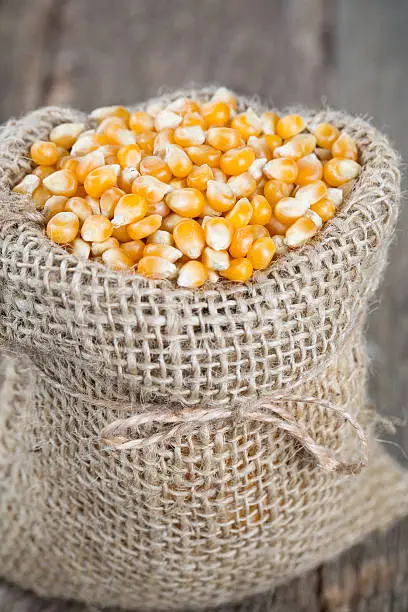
[[108, 201], [297, 147], [156, 268], [216, 113], [220, 196], [323, 154], [288, 210], [194, 118], [224, 138], [241, 242], [273, 141], [219, 175], [241, 214], [311, 193], [134, 250], [260, 147], [67, 163], [63, 227], [324, 208], [178, 183], [338, 171], [275, 190], [300, 232], [146, 142], [275, 227], [237, 161], [158, 208], [269, 121], [178, 161], [256, 168], [290, 126], [28, 185], [53, 206], [189, 238], [117, 259], [81, 249], [189, 136], [310, 169], [161, 237], [65, 134], [100, 179], [317, 220], [129, 155], [140, 122], [110, 111], [126, 177], [247, 124], [204, 154], [44, 153], [129, 209], [187, 202], [335, 195], [240, 269], [281, 169], [345, 147], [87, 163], [199, 177], [166, 120], [170, 222], [225, 95], [279, 242], [218, 233], [87, 143], [97, 248], [326, 134], [61, 182], [261, 210], [96, 228], [243, 185], [183, 106], [261, 253], [80, 207], [93, 203], [150, 188], [192, 275], [121, 234], [162, 141], [162, 250], [144, 227], [215, 260], [42, 171]]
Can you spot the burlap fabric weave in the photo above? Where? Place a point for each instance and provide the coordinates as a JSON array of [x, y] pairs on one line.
[[222, 474]]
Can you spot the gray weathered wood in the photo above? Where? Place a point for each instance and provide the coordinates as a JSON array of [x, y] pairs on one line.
[[94, 52]]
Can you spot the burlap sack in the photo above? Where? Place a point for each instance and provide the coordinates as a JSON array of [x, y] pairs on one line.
[[163, 448]]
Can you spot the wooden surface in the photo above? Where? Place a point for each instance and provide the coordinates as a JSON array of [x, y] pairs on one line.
[[349, 53]]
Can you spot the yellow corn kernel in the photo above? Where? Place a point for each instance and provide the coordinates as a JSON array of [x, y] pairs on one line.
[[53, 206], [193, 118], [218, 233], [300, 232], [162, 141], [220, 196], [93, 203], [150, 188], [276, 190], [87, 143], [237, 161], [67, 163], [178, 183], [289, 126], [109, 111], [189, 238], [311, 193], [183, 106], [215, 113], [192, 275], [241, 241], [40, 196], [269, 121], [129, 209], [157, 167], [27, 185], [261, 210], [242, 185], [157, 268], [166, 119], [204, 154], [281, 169], [129, 155], [326, 134], [247, 124], [199, 177], [189, 136], [161, 237], [297, 147], [97, 248], [123, 137], [140, 122], [187, 202], [81, 249], [239, 270], [335, 195], [259, 231], [96, 228], [178, 161], [241, 214], [219, 175], [261, 253], [108, 201], [273, 141], [134, 249], [44, 153], [224, 138], [288, 210], [63, 227], [65, 134], [100, 179], [117, 259], [170, 222], [324, 208], [225, 95], [121, 234], [338, 171], [146, 142], [275, 227], [80, 208], [87, 163], [310, 169], [345, 147], [43, 171], [215, 260], [162, 250], [317, 220], [126, 177], [256, 169], [144, 227], [260, 147], [61, 182]]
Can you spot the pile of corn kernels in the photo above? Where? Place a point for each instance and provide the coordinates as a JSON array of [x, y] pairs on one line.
[[191, 191]]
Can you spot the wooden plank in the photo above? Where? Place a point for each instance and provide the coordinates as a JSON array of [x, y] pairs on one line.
[[285, 50]]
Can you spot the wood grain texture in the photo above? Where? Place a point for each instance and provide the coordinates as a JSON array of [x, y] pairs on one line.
[[93, 52]]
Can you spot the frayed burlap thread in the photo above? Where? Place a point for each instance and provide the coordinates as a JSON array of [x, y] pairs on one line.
[[157, 445]]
